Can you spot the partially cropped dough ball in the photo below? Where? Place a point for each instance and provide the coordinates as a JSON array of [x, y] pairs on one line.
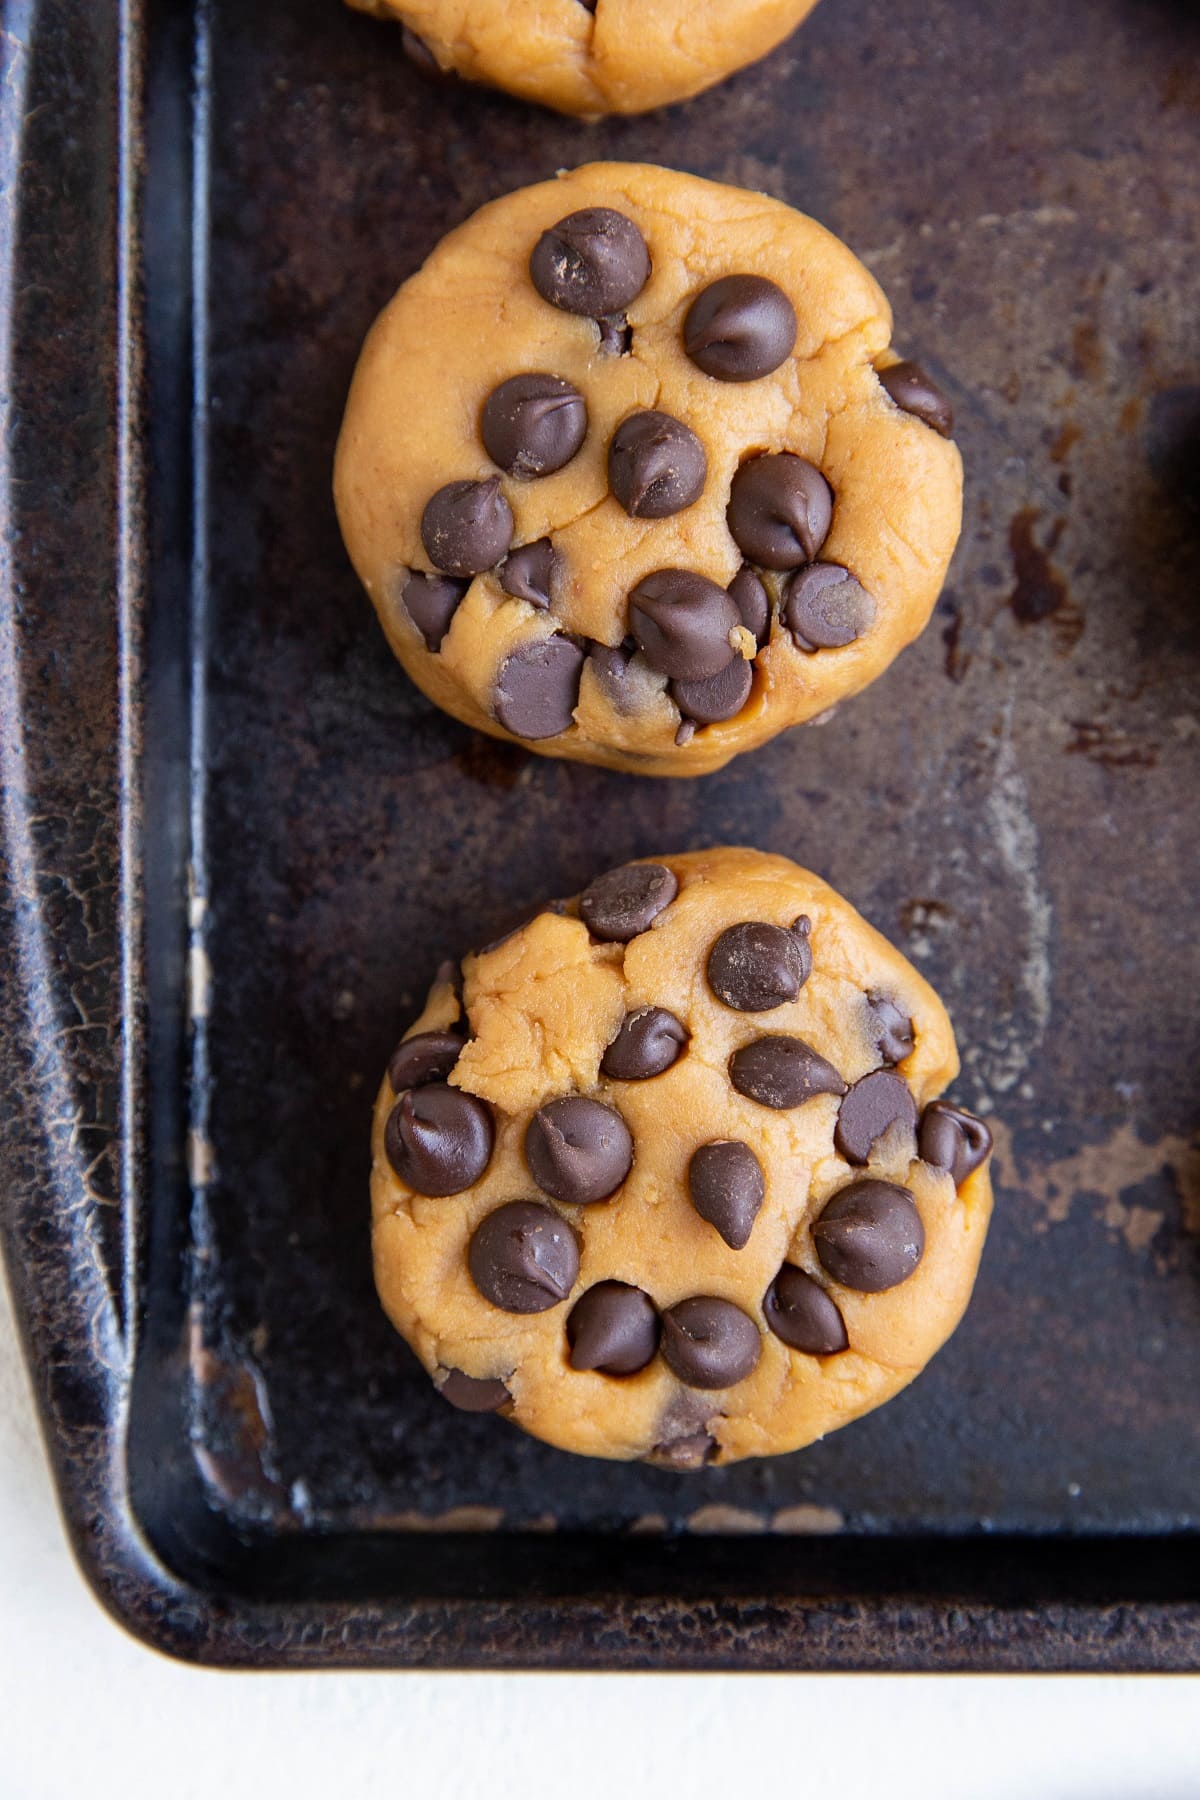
[[664, 1173]]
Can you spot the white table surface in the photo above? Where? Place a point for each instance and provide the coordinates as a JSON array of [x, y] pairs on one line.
[[83, 1709]]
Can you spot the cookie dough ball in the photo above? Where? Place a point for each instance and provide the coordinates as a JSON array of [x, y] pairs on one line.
[[664, 1173], [631, 474], [591, 57]]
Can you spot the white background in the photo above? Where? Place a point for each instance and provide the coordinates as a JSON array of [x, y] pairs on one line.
[[83, 1709]]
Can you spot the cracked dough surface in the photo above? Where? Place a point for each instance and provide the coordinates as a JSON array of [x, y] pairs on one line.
[[541, 1008], [625, 57]]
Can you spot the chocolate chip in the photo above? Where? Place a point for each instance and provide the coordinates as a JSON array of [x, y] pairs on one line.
[[537, 689], [613, 1328], [467, 526], [952, 1139], [740, 328], [470, 1394], [891, 1029], [726, 1187], [438, 1139], [593, 263], [682, 623], [531, 573], [755, 966], [780, 510], [431, 602], [749, 594], [870, 1236], [610, 665], [429, 1056], [873, 1105], [523, 1257], [533, 424], [683, 1452], [710, 1343], [799, 1311], [656, 466], [616, 335], [650, 1041], [916, 392], [719, 697], [782, 1072], [685, 733], [824, 607], [624, 902], [578, 1150], [418, 52]]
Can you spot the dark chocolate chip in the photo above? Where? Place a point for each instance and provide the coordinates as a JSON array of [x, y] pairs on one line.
[[533, 424], [593, 263], [682, 623], [613, 1328], [467, 526], [873, 1105], [656, 465], [438, 1139], [891, 1029], [578, 1150], [683, 1452], [471, 1394], [616, 335], [431, 602], [916, 392], [523, 1257], [610, 665], [782, 1072], [449, 974], [418, 52], [531, 573], [429, 1056], [624, 902], [825, 608], [719, 696], [749, 594], [954, 1140], [870, 1237], [799, 1311], [726, 1186], [740, 328], [710, 1343], [780, 510], [537, 689], [650, 1041], [588, 5], [755, 966]]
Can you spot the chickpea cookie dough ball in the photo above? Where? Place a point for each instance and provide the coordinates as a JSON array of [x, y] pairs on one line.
[[591, 57], [664, 1173], [631, 474]]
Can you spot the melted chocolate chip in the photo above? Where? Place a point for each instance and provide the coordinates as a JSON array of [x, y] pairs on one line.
[[429, 1056], [801, 1313], [523, 1257], [613, 1328], [431, 602], [593, 263], [710, 1343], [749, 594], [533, 424], [780, 510], [682, 623], [870, 1237], [891, 1029], [825, 608], [532, 573], [649, 1042], [953, 1140], [656, 466], [755, 967], [916, 392], [624, 902], [719, 697], [438, 1139], [740, 328], [537, 689], [726, 1187], [616, 335], [782, 1072], [470, 1394], [467, 526], [871, 1108], [578, 1151]]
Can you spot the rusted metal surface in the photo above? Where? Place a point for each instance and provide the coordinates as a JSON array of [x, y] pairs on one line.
[[253, 1467]]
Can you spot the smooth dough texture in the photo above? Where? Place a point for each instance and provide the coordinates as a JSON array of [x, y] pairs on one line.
[[471, 318], [536, 1015], [622, 57]]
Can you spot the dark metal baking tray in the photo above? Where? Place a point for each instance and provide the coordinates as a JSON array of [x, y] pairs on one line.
[[238, 843]]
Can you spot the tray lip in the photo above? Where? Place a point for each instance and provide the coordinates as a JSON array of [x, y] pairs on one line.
[[73, 1300]]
